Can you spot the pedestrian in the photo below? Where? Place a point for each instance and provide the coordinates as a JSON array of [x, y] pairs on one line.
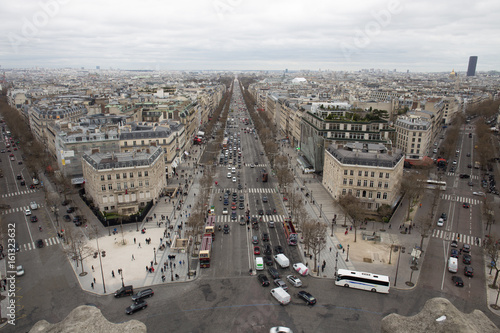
[[151, 262], [161, 269], [174, 264], [390, 226], [93, 268], [183, 263], [113, 273], [139, 245], [346, 231], [343, 250], [322, 268], [161, 239], [92, 285], [330, 249], [350, 228], [406, 230], [147, 268], [133, 257], [94, 280]]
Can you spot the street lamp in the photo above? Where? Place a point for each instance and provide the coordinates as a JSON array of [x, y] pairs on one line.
[[320, 208], [120, 271], [100, 261], [397, 267], [336, 260], [154, 251], [347, 259]]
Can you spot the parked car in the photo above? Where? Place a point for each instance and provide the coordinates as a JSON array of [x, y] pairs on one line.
[[256, 250], [310, 300], [457, 280], [454, 243], [468, 271], [263, 280], [70, 210], [136, 307], [255, 240], [265, 237]]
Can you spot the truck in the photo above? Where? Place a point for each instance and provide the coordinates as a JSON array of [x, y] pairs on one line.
[[264, 177]]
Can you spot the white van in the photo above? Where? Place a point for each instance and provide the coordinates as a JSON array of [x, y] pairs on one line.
[[301, 268], [259, 263], [282, 260], [281, 295], [453, 265]]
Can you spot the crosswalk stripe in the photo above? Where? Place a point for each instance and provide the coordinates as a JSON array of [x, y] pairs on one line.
[[466, 239]]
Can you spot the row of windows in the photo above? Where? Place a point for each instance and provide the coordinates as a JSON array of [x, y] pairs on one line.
[[365, 183], [124, 175], [360, 173], [125, 185], [365, 194]]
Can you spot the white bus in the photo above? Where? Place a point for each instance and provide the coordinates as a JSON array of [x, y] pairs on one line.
[[432, 184], [362, 280]]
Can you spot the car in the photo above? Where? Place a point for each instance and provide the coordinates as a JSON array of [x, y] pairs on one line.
[[263, 280], [254, 220], [33, 205], [278, 249], [229, 174], [67, 218], [479, 193], [281, 284], [454, 243], [146, 293], [241, 205], [226, 202], [16, 247], [225, 211], [468, 271], [39, 243], [269, 212], [242, 198], [454, 162], [457, 280], [444, 216], [274, 272], [226, 228], [234, 179], [280, 329], [464, 175], [264, 199], [33, 219], [70, 210], [465, 205], [252, 166], [466, 248], [268, 260], [294, 281], [310, 300], [240, 187], [268, 250], [255, 240], [256, 250], [261, 212], [233, 205], [265, 237], [468, 154], [19, 177], [233, 215], [32, 186], [27, 211], [65, 202], [469, 166], [466, 259], [136, 307], [440, 222], [470, 183], [19, 270], [454, 253]]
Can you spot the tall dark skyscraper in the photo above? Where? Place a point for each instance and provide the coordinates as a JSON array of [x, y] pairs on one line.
[[471, 71]]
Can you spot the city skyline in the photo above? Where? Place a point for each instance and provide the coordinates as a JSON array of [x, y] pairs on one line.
[[257, 35]]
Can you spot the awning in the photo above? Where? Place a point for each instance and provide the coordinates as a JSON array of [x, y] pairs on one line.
[[77, 181]]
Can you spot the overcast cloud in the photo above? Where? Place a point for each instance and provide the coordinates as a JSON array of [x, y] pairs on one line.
[[419, 35]]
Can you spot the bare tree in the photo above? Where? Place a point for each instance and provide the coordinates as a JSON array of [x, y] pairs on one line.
[[412, 186], [353, 208], [78, 249], [491, 247], [315, 238]]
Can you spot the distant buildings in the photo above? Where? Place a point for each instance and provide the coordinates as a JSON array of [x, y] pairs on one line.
[[471, 70]]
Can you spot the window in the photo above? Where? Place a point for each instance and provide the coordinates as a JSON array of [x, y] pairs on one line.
[[103, 187], [359, 182], [344, 192], [369, 205], [360, 173], [102, 177], [110, 186], [350, 191], [135, 143], [142, 142], [131, 175], [146, 183], [117, 176], [386, 185], [387, 175], [370, 195], [365, 183], [351, 181], [109, 177], [139, 174], [345, 181], [352, 172], [145, 174], [366, 173], [106, 208], [378, 195], [371, 183], [379, 184], [132, 185], [385, 196], [357, 193], [140, 183], [119, 186], [124, 175], [345, 172], [373, 173]]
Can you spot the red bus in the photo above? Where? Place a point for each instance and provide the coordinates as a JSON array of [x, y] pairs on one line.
[[210, 225], [205, 251], [290, 233]]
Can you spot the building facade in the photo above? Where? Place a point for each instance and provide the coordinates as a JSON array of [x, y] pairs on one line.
[[124, 182], [413, 136]]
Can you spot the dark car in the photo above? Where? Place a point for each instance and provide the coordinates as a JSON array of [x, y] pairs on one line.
[[67, 218], [254, 220], [269, 212], [464, 175], [143, 294], [469, 271], [23, 183], [466, 259], [310, 300], [265, 237], [274, 272], [39, 243], [124, 291], [457, 280], [466, 248], [454, 243], [454, 253], [240, 187], [226, 229], [268, 250], [444, 216], [261, 212], [70, 210], [241, 206], [19, 177], [136, 307], [278, 249], [33, 219], [16, 246], [242, 198], [465, 205], [268, 260], [233, 215], [226, 202], [263, 280]]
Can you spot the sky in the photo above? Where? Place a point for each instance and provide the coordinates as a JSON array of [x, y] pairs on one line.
[[420, 36]]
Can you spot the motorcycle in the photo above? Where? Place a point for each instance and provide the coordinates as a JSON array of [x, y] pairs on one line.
[[220, 228]]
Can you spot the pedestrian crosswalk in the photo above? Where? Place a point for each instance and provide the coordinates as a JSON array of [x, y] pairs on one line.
[[453, 197], [46, 242], [255, 165], [19, 209], [448, 235], [17, 193], [473, 177], [250, 190], [265, 218]]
